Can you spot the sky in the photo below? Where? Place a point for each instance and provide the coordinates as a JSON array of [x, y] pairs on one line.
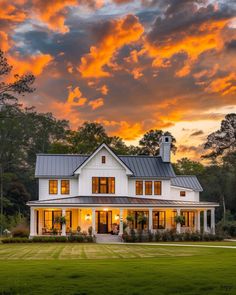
[[130, 65]]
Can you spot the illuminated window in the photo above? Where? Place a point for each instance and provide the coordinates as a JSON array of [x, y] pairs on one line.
[[157, 187], [65, 187], [188, 218], [148, 187], [103, 185], [139, 187], [103, 159], [159, 219], [182, 194], [53, 187]]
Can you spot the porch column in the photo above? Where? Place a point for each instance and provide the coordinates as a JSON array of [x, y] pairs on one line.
[[195, 220], [213, 220], [205, 221], [150, 226], [94, 220], [63, 232], [198, 220], [121, 222], [178, 225], [32, 222]]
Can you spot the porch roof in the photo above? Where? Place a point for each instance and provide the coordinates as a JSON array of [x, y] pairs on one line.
[[101, 201]]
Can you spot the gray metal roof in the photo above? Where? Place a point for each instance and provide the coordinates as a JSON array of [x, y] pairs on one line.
[[117, 201], [148, 166], [50, 165], [187, 181]]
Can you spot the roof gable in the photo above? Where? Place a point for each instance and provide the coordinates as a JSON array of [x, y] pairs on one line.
[[103, 146]]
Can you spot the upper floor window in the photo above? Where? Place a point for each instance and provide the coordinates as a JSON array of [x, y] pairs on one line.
[[103, 185], [103, 159], [157, 187], [148, 187], [182, 194], [65, 187], [53, 187], [139, 187]]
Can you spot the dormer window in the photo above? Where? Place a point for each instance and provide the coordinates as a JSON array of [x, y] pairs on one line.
[[182, 193], [103, 159]]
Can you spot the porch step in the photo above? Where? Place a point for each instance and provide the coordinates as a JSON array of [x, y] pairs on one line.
[[107, 239]]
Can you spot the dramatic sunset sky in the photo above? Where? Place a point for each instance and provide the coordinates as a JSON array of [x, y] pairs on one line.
[[131, 65]]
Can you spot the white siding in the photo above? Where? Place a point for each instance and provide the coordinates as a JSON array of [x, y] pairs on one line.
[[44, 189], [190, 194], [112, 168]]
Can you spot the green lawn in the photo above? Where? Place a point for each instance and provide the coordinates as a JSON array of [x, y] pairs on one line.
[[115, 269]]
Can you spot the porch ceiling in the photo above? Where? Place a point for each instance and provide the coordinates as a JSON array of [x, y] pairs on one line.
[[85, 201]]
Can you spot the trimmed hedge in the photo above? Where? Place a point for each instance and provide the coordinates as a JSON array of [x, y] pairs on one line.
[[60, 239], [169, 236]]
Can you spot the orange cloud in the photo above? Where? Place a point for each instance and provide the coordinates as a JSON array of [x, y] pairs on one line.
[[53, 13], [97, 103], [137, 73], [224, 85], [4, 42], [75, 97], [34, 64], [103, 89], [10, 12], [207, 37], [122, 32]]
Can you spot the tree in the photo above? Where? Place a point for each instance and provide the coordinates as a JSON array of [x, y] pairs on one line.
[[223, 140], [9, 91], [186, 166], [150, 143]]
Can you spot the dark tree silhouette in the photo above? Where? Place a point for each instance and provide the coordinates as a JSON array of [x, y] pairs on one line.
[[9, 91]]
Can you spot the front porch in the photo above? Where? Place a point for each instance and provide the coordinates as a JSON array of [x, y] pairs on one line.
[[110, 220]]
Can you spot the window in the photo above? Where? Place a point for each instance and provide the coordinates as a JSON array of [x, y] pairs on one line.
[[148, 187], [65, 187], [139, 187], [53, 184], [157, 187], [182, 194], [103, 185], [188, 218], [103, 159], [49, 218], [159, 219]]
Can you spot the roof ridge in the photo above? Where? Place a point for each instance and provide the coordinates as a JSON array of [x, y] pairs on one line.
[[42, 154], [186, 175]]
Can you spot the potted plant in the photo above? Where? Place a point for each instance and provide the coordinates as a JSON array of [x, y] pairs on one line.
[[179, 219], [60, 220], [130, 220]]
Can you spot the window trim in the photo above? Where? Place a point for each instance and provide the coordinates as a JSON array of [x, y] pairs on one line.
[[110, 183], [182, 194], [146, 190], [141, 186], [154, 191], [49, 186], [66, 193]]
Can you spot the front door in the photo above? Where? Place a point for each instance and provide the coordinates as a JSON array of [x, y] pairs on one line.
[[103, 222]]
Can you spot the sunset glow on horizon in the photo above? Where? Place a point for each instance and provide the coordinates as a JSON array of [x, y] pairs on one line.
[[129, 65]]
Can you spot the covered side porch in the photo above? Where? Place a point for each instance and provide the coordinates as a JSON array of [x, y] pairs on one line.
[[107, 218]]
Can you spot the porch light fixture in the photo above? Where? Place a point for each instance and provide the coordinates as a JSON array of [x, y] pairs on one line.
[[105, 209], [117, 217], [87, 217]]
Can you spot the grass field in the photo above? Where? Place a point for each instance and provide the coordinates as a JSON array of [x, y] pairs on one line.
[[116, 269]]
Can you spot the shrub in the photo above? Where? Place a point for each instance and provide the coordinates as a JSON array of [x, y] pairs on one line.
[[20, 231], [157, 236], [76, 238], [150, 236], [49, 239], [16, 240], [90, 230]]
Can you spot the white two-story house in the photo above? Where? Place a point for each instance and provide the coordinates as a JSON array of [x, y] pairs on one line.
[[100, 190]]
